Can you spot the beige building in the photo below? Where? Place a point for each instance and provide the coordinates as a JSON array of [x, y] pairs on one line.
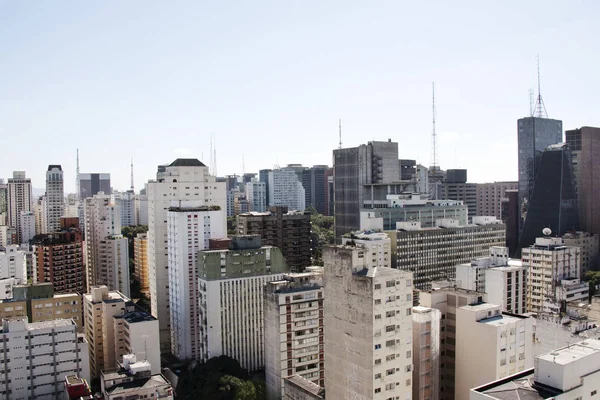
[[140, 261], [378, 245], [298, 388], [368, 327], [489, 197], [114, 327], [501, 344], [590, 248], [290, 306], [426, 353]]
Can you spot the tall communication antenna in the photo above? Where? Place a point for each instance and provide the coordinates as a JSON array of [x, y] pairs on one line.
[[132, 174], [434, 153], [340, 134], [77, 177], [540, 107]]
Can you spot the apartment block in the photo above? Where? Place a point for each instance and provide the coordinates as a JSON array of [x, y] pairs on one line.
[[19, 199], [590, 248], [37, 357], [27, 224], [500, 342], [13, 263], [432, 254], [134, 379], [463, 191], [287, 230], [256, 193], [55, 197], [292, 305], [140, 261], [286, 190], [490, 195], [426, 353], [368, 327], [231, 284], [377, 244]]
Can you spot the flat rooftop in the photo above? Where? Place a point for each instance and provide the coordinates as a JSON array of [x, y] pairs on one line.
[[520, 386], [132, 387], [573, 352], [306, 385]]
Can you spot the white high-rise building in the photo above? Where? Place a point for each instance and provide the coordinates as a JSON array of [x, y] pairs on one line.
[[55, 197], [190, 225], [377, 244], [39, 211], [141, 209], [126, 200], [13, 263], [37, 357], [27, 222], [548, 262], [107, 252], [368, 327], [256, 193], [19, 199], [285, 189], [184, 179]]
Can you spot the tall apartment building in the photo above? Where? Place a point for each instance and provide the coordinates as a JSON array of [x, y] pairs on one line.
[[8, 235], [189, 226], [377, 244], [447, 300], [183, 179], [141, 209], [287, 230], [584, 144], [412, 207], [55, 197], [140, 261], [286, 190], [13, 263], [231, 299], [40, 214], [37, 302], [92, 184], [27, 224], [256, 193], [426, 353], [548, 262], [59, 260], [290, 306], [19, 199], [432, 254], [114, 327], [500, 342], [589, 243], [489, 197], [368, 327], [37, 357], [107, 251], [126, 201]]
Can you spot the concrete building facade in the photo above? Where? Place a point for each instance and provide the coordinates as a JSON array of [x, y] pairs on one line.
[[377, 244], [426, 353], [490, 195], [92, 184], [55, 197], [140, 261], [589, 243], [19, 199], [286, 190], [256, 193]]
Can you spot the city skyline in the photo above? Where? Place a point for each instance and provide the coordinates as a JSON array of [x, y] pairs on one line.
[[281, 75]]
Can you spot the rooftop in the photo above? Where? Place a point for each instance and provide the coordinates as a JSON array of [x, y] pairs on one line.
[[187, 162], [573, 352], [138, 316], [154, 382], [520, 386], [306, 385]]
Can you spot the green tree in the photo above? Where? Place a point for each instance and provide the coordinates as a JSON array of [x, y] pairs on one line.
[[321, 233], [231, 226], [593, 277], [237, 388]]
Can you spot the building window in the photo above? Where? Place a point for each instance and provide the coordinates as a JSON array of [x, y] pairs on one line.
[[593, 392], [378, 390], [377, 346], [378, 286], [377, 376]]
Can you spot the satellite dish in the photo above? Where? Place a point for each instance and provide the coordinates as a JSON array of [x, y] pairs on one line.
[[547, 231]]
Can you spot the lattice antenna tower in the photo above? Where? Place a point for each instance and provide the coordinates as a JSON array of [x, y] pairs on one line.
[[132, 174], [340, 133], [77, 177], [540, 107], [434, 151]]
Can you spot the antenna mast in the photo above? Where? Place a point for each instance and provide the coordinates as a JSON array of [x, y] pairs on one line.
[[340, 134], [434, 155], [132, 174], [540, 107], [77, 177]]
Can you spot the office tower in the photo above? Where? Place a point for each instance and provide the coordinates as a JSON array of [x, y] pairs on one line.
[[412, 207], [92, 184], [190, 225], [426, 353], [37, 357], [314, 183], [584, 144], [184, 179], [19, 199], [248, 177], [534, 136], [257, 196], [231, 286], [287, 230], [490, 195], [432, 254], [548, 262], [107, 251], [378, 247], [133, 378], [368, 327], [490, 345], [455, 187], [140, 261], [298, 298], [141, 209], [285, 190], [13, 263], [552, 201], [329, 193], [38, 302], [567, 373], [263, 176], [126, 201], [511, 218], [115, 327], [447, 300], [40, 214], [59, 259], [55, 197], [27, 223], [590, 248]]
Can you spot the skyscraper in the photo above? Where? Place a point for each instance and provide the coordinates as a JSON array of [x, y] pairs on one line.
[[91, 184], [314, 182], [55, 197], [19, 199], [257, 196], [286, 190]]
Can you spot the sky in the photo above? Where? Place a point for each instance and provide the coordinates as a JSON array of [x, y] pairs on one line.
[[153, 80]]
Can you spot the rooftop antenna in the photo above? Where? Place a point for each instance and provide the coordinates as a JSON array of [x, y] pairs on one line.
[[540, 107], [132, 174], [434, 155], [340, 133], [77, 177]]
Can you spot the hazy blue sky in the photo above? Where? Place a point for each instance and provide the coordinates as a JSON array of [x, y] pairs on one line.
[[154, 79]]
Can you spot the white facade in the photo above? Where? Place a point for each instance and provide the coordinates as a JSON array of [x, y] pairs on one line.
[[590, 248], [13, 263], [27, 226], [126, 201], [6, 287], [37, 357], [377, 244], [40, 213], [507, 287], [490, 346], [548, 262], [368, 327], [471, 275], [426, 353], [189, 226], [182, 180], [116, 248], [19, 199], [573, 290], [55, 197], [256, 193], [285, 189], [141, 210]]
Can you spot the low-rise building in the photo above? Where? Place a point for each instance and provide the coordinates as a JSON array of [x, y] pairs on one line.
[[299, 388], [378, 245], [134, 379]]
